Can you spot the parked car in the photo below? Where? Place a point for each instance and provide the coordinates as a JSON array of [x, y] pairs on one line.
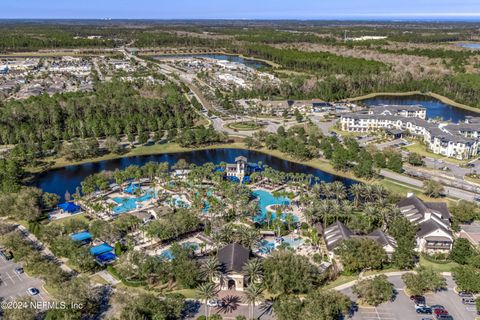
[[423, 309], [33, 291], [465, 294], [468, 300], [437, 306], [440, 312], [444, 317], [419, 300], [213, 303], [19, 270]]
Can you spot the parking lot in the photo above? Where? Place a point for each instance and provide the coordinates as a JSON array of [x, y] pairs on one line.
[[403, 308], [15, 285]]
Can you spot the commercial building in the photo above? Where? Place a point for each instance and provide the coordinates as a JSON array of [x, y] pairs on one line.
[[455, 140]]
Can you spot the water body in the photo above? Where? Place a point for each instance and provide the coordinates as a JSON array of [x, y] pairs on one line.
[[475, 46], [256, 64], [68, 178], [435, 108]]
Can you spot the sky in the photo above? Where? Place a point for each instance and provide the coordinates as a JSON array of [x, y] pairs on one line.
[[238, 9]]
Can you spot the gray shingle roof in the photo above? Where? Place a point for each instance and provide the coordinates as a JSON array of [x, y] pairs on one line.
[[233, 257]]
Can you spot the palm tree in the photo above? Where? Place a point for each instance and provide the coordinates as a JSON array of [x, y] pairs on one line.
[[252, 294], [339, 190], [289, 219], [253, 271], [357, 191], [210, 269], [207, 291]]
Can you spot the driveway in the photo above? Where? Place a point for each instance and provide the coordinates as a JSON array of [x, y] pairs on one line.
[[15, 285]]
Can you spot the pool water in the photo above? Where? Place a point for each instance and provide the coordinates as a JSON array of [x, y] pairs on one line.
[[129, 204], [267, 199], [191, 245], [167, 254], [179, 203], [293, 243], [266, 246]]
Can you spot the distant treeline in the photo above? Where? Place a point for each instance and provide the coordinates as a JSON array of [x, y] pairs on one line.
[[319, 62]]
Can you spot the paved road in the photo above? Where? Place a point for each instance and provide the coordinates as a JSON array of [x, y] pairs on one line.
[[450, 191], [402, 308]]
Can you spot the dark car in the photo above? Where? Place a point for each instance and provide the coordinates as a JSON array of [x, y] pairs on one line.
[[465, 294], [470, 301], [423, 309], [437, 306], [444, 317], [418, 299]]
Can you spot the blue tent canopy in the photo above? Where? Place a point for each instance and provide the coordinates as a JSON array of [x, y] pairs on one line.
[[246, 179], [132, 188], [69, 207], [233, 179], [81, 236], [106, 257], [102, 248]]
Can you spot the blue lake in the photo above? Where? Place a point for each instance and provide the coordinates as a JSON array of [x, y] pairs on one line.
[[469, 45], [252, 63], [435, 108], [68, 178]]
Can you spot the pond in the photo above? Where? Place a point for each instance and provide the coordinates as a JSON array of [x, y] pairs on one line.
[[68, 178], [469, 45], [252, 63], [435, 108]]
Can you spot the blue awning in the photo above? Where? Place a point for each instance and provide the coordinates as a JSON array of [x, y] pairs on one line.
[[106, 257], [69, 207], [102, 248], [81, 236]]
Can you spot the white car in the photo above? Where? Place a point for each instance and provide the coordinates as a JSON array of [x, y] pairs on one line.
[[212, 303], [33, 291]]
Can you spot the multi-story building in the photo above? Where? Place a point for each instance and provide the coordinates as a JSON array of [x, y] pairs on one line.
[[456, 140], [433, 222]]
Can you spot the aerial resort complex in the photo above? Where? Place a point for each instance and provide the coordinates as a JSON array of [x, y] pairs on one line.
[[155, 168]]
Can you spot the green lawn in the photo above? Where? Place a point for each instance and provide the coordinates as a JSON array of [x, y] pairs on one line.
[[423, 151], [340, 280], [79, 217], [439, 267], [188, 293], [244, 126]]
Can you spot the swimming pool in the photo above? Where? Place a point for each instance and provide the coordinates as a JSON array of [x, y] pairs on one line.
[[267, 199], [191, 245], [167, 254], [266, 246], [129, 204], [179, 203], [293, 243]]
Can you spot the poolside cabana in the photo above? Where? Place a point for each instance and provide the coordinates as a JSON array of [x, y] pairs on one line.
[[69, 207], [83, 237], [101, 249], [106, 258]]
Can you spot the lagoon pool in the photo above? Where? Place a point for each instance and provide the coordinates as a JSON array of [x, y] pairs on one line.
[[129, 204], [266, 199]]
